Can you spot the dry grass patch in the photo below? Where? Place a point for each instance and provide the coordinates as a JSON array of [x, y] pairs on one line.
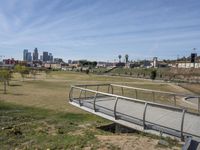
[[52, 92]]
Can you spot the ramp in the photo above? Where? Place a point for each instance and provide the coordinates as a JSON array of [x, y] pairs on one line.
[[142, 115]]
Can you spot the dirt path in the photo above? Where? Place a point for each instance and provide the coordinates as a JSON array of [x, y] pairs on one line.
[[124, 142]]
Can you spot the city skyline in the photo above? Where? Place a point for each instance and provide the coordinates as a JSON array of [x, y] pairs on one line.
[[37, 55], [100, 30]]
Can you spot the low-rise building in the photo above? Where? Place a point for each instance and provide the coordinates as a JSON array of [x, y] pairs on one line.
[[188, 65], [105, 64]]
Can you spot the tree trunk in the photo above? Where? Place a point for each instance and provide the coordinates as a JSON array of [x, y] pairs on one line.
[[4, 86], [8, 82]]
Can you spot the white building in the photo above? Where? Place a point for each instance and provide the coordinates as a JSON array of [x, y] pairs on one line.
[[188, 65]]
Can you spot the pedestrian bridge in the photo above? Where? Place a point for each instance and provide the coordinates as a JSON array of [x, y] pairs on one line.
[[141, 109]]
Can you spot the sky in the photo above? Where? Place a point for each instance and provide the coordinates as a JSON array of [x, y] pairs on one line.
[[100, 29]]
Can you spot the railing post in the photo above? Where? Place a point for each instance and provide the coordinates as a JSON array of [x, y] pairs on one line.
[[85, 91], [136, 94], [109, 89], [80, 97], [144, 115], [153, 96], [198, 104], [182, 124], [115, 108], [70, 94], [174, 100], [122, 91], [94, 106], [112, 90]]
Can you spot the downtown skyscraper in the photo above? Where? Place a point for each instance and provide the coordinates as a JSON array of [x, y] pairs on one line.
[[25, 55], [35, 54]]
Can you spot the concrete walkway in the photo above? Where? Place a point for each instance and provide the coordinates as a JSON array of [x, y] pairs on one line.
[[152, 118]]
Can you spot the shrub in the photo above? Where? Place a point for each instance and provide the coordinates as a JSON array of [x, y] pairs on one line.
[[153, 74], [87, 71]]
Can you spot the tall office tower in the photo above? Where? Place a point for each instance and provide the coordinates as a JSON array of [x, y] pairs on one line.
[[35, 54], [45, 56], [25, 55], [29, 57], [50, 57]]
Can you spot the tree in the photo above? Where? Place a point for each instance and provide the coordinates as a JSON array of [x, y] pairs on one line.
[[85, 63], [47, 71], [87, 71], [153, 74], [126, 57], [94, 64], [120, 56], [23, 70], [34, 73], [5, 76]]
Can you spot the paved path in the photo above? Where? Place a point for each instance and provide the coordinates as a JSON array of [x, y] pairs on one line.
[[131, 114]]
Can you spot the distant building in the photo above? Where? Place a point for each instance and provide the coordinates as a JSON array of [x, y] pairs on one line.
[[58, 60], [45, 56], [25, 55], [105, 64], [188, 65], [11, 61], [134, 65], [69, 61], [35, 54], [50, 57], [155, 62], [120, 64], [41, 58], [193, 57], [29, 57]]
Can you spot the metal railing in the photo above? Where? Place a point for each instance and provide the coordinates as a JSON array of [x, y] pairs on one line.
[[154, 93], [95, 94]]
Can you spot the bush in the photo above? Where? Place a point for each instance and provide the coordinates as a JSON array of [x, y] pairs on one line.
[[87, 71], [153, 74]]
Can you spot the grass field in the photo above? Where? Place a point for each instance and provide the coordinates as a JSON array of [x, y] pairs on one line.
[[193, 87], [51, 92], [35, 114], [36, 128]]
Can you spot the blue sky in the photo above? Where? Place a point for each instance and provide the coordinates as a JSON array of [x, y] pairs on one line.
[[100, 29]]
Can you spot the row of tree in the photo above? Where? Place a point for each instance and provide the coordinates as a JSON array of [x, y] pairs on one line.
[[85, 63], [6, 74]]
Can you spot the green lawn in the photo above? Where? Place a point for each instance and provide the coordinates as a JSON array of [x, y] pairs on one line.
[[35, 128], [27, 127]]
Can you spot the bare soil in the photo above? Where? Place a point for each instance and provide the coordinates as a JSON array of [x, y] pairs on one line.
[[128, 142]]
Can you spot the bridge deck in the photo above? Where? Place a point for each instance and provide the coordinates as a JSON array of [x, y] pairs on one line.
[[142, 116]]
